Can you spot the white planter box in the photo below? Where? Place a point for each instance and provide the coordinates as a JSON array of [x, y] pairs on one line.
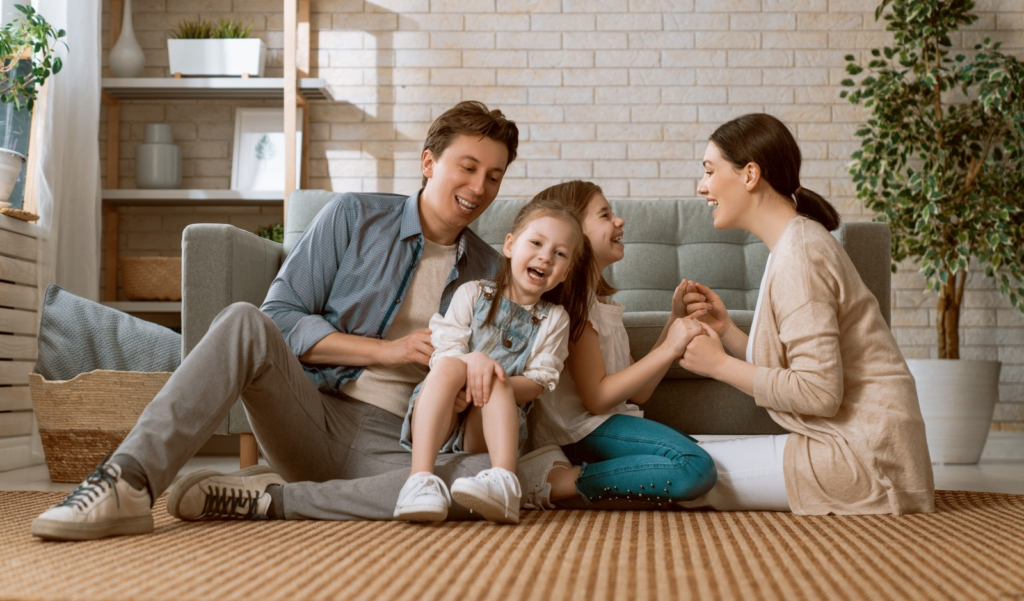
[[217, 58]]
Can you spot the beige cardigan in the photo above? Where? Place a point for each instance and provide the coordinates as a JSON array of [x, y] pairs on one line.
[[829, 371]]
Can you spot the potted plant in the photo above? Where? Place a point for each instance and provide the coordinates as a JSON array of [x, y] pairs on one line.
[[200, 48], [942, 162], [27, 47]]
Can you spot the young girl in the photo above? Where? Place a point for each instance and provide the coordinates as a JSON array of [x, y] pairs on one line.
[[504, 342], [592, 413]]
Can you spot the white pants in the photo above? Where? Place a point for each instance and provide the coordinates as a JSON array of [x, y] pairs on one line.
[[750, 476]]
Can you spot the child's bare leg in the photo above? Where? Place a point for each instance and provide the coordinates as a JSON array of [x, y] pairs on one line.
[[563, 481], [494, 428], [434, 417]]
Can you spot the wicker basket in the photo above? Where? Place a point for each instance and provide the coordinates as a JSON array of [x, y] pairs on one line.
[[82, 419], [151, 278]]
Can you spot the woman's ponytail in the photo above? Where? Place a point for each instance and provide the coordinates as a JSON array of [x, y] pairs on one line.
[[811, 204]]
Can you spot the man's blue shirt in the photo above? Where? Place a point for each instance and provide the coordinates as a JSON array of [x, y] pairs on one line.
[[351, 270]]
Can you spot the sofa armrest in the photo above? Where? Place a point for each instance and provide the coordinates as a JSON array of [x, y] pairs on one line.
[[222, 264]]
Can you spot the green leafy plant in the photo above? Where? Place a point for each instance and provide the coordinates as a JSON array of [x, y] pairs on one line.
[[193, 29], [942, 153], [230, 30], [273, 232], [31, 38]]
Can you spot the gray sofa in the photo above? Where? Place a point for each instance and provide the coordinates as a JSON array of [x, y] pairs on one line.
[[665, 242]]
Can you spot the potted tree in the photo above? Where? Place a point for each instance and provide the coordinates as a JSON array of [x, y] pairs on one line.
[[27, 49], [200, 48], [942, 162]]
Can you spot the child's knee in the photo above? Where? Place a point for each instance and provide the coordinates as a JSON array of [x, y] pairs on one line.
[[696, 474], [448, 369]]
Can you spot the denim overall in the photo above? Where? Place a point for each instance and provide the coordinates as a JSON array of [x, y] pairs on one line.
[[508, 340]]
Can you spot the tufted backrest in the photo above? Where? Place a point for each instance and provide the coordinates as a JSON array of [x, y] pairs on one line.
[[666, 240]]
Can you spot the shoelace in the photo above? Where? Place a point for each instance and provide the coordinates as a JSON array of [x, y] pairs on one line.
[[424, 482], [534, 498], [226, 502], [94, 485], [500, 477]]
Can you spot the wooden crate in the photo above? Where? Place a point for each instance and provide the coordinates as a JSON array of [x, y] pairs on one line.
[[19, 326]]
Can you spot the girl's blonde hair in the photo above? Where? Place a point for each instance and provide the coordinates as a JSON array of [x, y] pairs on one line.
[[576, 195], [571, 293]]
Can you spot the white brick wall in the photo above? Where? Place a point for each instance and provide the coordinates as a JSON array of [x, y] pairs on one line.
[[623, 92]]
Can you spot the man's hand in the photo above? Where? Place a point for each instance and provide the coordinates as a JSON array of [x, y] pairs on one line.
[[412, 348], [480, 373], [461, 402]]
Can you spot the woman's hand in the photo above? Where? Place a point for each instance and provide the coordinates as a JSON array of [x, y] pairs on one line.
[[704, 354], [480, 373], [700, 302], [679, 335]]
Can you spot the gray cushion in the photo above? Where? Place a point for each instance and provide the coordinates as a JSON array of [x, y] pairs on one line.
[[77, 336]]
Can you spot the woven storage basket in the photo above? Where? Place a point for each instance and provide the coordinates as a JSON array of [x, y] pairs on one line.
[[151, 278], [82, 419]]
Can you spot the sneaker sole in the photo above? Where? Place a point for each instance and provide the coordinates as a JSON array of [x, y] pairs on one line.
[[492, 512], [186, 482], [58, 530], [421, 513]]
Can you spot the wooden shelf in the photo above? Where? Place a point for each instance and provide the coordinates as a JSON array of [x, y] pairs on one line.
[[191, 197], [145, 306], [199, 88]]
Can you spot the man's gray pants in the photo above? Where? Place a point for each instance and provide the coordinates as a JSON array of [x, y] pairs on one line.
[[340, 457]]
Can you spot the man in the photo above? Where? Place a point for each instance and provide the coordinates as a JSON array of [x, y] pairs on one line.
[[352, 301]]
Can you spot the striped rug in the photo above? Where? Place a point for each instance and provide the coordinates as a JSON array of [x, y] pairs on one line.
[[972, 548]]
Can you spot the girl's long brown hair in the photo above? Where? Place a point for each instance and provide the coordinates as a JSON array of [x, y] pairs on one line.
[[573, 292]]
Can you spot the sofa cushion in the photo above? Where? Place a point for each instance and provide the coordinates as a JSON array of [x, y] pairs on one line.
[[77, 335]]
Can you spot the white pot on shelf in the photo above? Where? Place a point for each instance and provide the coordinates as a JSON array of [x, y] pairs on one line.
[[957, 400], [10, 168], [217, 58]]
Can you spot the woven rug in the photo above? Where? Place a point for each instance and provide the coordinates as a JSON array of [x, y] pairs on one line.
[[972, 548]]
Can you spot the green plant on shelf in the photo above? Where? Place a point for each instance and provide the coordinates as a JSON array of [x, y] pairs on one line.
[[198, 28], [273, 232], [31, 38]]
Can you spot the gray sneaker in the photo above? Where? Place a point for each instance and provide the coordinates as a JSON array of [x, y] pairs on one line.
[[210, 495], [103, 505], [533, 470]]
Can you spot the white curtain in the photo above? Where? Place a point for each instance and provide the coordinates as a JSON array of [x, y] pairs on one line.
[[67, 145]]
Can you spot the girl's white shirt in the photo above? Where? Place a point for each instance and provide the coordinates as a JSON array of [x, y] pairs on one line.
[[559, 417], [450, 335], [757, 310]]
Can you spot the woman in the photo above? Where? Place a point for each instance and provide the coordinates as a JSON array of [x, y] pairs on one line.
[[819, 357]]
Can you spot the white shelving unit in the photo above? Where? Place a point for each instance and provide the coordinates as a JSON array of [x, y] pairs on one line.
[[205, 88], [191, 197]]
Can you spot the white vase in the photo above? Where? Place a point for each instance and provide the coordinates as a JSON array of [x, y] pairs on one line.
[[126, 57], [957, 400], [158, 159], [10, 169], [217, 58]]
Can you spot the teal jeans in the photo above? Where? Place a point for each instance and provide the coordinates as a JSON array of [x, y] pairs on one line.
[[633, 458]]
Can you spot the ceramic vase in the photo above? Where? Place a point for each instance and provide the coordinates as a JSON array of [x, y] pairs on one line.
[[126, 57], [158, 159]]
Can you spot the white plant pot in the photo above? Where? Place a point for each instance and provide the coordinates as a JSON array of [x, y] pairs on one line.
[[217, 58], [957, 401], [10, 168]]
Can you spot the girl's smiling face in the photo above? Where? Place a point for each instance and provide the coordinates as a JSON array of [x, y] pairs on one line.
[[541, 254], [604, 230]]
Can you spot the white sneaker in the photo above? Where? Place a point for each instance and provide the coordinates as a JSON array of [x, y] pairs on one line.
[[210, 495], [103, 505], [423, 498], [493, 493], [533, 470]]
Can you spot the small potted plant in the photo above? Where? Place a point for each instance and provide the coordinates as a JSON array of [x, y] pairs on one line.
[[942, 162], [201, 49], [27, 47]]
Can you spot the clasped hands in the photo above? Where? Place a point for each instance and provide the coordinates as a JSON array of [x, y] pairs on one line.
[[699, 321]]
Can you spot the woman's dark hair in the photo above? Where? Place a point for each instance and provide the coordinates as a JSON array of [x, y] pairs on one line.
[[471, 118], [764, 140], [572, 294], [576, 195]]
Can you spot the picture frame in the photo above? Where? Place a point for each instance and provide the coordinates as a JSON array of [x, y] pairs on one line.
[[257, 158]]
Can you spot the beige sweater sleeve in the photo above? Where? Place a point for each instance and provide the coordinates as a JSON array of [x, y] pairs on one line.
[[813, 382]]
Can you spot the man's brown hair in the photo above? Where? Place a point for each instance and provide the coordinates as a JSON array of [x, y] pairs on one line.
[[471, 118]]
